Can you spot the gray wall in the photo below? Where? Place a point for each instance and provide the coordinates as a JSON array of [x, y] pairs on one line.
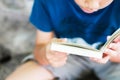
[[16, 32]]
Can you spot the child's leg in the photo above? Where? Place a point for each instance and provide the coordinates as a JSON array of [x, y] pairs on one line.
[[30, 71]]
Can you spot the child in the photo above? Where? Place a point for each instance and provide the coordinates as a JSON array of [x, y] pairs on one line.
[[89, 21]]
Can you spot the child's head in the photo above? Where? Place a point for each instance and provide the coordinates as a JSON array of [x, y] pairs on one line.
[[90, 6]]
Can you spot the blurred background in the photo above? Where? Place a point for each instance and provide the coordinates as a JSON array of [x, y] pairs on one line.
[[17, 35]]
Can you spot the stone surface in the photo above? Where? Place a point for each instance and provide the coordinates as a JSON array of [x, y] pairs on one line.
[[16, 32]]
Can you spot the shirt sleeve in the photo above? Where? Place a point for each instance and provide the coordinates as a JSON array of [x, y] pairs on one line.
[[40, 16]]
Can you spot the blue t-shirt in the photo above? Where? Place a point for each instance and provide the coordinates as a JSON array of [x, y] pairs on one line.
[[67, 20]]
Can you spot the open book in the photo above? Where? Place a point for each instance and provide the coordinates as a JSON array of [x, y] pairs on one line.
[[73, 48]]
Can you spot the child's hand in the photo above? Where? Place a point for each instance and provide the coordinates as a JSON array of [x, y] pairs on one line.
[[55, 58], [112, 53], [114, 50]]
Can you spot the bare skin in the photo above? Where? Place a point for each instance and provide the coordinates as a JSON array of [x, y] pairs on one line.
[[90, 6], [30, 71], [112, 53], [34, 71]]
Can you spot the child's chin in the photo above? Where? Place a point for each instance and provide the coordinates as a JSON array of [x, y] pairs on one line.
[[88, 11]]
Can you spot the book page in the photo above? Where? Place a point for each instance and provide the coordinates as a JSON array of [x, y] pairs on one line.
[[113, 36], [76, 50], [77, 45]]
